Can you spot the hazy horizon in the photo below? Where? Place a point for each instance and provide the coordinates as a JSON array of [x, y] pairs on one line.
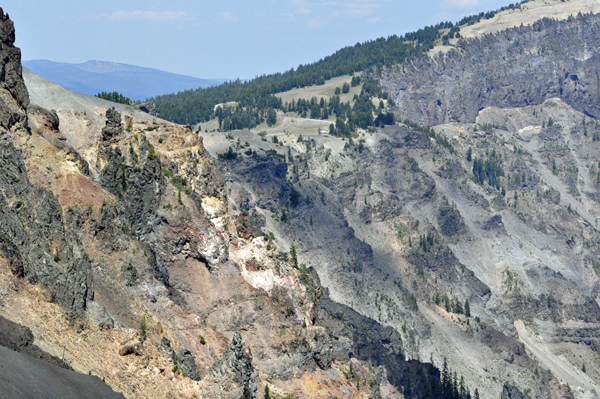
[[228, 40]]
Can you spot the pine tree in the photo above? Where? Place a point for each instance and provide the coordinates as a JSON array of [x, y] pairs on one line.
[[294, 256], [462, 389], [446, 379], [467, 308], [267, 393]]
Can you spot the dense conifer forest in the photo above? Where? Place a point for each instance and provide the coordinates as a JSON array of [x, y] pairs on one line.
[[256, 103]]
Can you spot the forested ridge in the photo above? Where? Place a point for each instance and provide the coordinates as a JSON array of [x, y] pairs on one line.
[[255, 98]]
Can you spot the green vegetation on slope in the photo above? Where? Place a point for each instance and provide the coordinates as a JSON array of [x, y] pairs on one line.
[[115, 97], [255, 98]]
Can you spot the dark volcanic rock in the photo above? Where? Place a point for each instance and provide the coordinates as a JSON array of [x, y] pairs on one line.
[[265, 176], [181, 358], [372, 342], [14, 336], [13, 93], [149, 108], [20, 339], [139, 188], [512, 392], [187, 364], [451, 222], [33, 235], [513, 68], [495, 223], [237, 364], [113, 128], [441, 261], [35, 239]]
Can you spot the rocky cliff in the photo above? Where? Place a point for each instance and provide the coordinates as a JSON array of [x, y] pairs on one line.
[[119, 254], [404, 262], [513, 68]]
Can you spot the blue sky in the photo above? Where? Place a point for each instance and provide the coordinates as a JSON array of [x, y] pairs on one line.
[[218, 39]]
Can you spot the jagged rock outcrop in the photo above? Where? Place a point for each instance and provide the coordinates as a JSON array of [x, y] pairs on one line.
[[149, 108], [13, 93], [34, 237], [451, 222], [356, 336], [187, 364], [513, 68], [50, 117], [234, 372], [182, 358], [512, 392], [139, 186], [113, 128]]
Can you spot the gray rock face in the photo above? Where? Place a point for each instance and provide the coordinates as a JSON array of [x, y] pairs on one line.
[[512, 392], [35, 239], [140, 187], [237, 364], [149, 108], [514, 68], [113, 128], [442, 261], [181, 358], [187, 364], [263, 176], [13, 93], [371, 342], [451, 222], [14, 336]]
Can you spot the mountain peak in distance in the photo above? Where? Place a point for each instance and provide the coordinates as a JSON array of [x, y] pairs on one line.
[[137, 83]]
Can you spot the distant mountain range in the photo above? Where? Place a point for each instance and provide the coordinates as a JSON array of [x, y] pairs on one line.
[[137, 83]]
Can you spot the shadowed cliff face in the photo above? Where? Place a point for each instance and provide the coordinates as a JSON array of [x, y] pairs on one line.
[[39, 243], [514, 68], [402, 232]]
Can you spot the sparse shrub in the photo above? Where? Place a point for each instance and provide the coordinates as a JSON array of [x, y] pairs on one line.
[[202, 340], [152, 153], [143, 328], [294, 256]]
